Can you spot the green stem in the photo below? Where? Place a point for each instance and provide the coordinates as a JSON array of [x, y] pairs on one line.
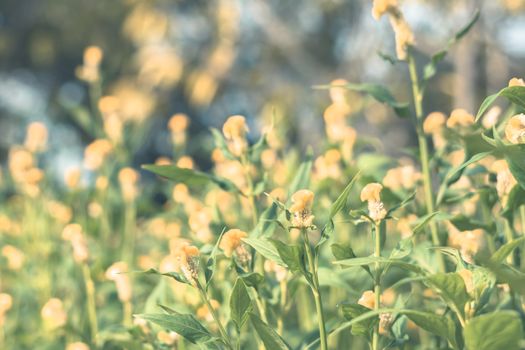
[[316, 291], [215, 316], [423, 154], [377, 282], [509, 236], [90, 302]]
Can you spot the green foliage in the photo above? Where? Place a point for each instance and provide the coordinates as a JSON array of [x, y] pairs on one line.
[[497, 330]]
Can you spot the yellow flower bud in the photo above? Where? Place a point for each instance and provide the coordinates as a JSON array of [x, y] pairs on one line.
[[367, 299], [302, 201]]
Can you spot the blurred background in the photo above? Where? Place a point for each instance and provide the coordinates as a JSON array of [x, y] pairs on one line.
[[212, 59]]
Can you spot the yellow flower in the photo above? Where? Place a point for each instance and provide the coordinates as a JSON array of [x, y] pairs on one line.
[[118, 273], [301, 208], [515, 129], [6, 302], [178, 123], [36, 137], [404, 177], [371, 194], [53, 313], [460, 118], [77, 346], [14, 256], [74, 234], [516, 82], [231, 240], [185, 162], [381, 7], [72, 178], [434, 122], [89, 71], [128, 179], [234, 130], [96, 153], [189, 263], [367, 299]]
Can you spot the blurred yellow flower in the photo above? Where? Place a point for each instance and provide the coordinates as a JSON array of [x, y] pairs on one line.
[[36, 137], [77, 346], [234, 130], [53, 313], [14, 256], [128, 179], [460, 118], [96, 153], [434, 122], [118, 273]]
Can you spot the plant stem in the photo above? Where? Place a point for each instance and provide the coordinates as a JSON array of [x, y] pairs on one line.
[[90, 302], [316, 291], [377, 282], [215, 316], [423, 154]]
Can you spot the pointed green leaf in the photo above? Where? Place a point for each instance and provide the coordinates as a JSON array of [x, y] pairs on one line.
[[496, 330], [268, 335], [240, 304], [184, 324]]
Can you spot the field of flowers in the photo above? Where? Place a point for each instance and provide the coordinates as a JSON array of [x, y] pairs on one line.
[[275, 245]]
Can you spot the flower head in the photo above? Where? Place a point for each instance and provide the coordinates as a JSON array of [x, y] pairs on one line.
[[128, 179], [188, 257], [118, 273], [515, 129], [371, 194], [36, 137], [434, 122], [234, 130], [301, 208], [231, 240], [53, 313], [460, 118], [516, 82], [368, 299]]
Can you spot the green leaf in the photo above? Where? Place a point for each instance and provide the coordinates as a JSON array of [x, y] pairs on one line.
[[265, 248], [372, 260], [515, 157], [212, 261], [515, 200], [191, 177], [496, 330], [501, 254], [336, 207], [175, 275], [455, 173], [452, 289], [268, 335], [405, 201], [184, 324], [353, 310], [423, 222], [267, 222], [240, 304], [442, 326], [293, 257], [515, 94], [257, 148], [431, 68], [342, 199]]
